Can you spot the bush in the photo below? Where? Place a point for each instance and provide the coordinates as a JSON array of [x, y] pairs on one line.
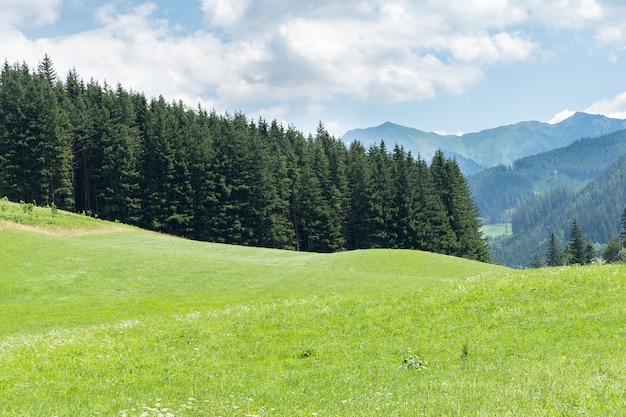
[[621, 258]]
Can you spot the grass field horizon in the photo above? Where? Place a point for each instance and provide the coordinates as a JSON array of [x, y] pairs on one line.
[[104, 319]]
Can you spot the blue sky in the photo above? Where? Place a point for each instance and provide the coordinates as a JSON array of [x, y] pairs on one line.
[[448, 65]]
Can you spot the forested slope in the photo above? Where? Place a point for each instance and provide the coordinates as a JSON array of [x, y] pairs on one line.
[[597, 208], [497, 191], [115, 154]]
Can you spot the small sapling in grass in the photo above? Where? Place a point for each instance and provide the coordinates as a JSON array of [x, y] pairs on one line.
[[464, 351]]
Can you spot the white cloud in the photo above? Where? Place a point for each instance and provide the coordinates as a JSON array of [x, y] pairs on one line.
[[560, 116], [501, 47], [257, 54], [571, 14], [223, 13], [615, 107], [30, 12]]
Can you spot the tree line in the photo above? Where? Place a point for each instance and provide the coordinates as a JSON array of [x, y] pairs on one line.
[[109, 152], [579, 252]]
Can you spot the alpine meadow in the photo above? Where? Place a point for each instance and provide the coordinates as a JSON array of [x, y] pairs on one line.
[[98, 318], [158, 260]]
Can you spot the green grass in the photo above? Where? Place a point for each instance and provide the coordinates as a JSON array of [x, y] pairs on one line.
[[50, 219], [496, 229], [130, 323]]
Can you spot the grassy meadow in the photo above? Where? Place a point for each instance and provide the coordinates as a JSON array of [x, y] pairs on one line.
[[497, 229], [99, 319]]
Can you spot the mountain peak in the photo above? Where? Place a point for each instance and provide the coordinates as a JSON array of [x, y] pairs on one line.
[[491, 147]]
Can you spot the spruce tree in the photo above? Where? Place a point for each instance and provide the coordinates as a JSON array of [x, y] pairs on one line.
[[577, 250], [433, 230], [379, 215], [554, 256], [462, 212], [359, 181]]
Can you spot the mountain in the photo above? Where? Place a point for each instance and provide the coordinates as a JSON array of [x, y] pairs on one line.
[[498, 190], [487, 148], [597, 207]]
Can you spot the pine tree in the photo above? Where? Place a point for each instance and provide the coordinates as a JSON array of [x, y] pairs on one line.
[[554, 256], [359, 182], [34, 140], [433, 230], [75, 106], [577, 249], [381, 194], [462, 212]]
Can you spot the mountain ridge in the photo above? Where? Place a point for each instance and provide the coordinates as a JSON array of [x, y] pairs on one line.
[[501, 145], [498, 190]]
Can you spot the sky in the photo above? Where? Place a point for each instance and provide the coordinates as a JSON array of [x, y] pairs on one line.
[[446, 66]]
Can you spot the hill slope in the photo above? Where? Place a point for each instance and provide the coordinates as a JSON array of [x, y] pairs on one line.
[[138, 324], [491, 147], [498, 190], [597, 207]]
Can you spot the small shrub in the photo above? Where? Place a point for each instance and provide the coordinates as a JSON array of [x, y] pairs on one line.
[[53, 209], [27, 207], [464, 351], [621, 258], [306, 353]]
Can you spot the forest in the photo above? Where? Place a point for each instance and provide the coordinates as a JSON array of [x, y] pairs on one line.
[[115, 154], [598, 209], [501, 190]]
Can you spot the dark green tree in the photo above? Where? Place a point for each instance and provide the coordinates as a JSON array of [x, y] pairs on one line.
[[610, 253], [34, 139], [577, 250], [462, 212], [359, 180], [433, 230], [554, 256], [381, 192]]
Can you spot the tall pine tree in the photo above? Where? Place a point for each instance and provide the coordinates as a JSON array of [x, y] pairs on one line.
[[554, 256]]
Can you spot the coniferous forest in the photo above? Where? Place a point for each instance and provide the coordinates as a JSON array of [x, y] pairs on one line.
[[108, 152]]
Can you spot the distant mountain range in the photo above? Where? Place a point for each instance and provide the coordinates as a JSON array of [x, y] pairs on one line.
[[488, 148]]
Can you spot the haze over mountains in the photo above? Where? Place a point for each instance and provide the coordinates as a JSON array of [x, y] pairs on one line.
[[491, 147]]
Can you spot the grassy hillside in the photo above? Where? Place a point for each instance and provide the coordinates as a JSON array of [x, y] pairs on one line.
[[128, 323]]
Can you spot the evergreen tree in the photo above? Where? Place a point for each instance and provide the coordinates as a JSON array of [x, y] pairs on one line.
[[202, 172], [554, 256], [75, 106], [113, 150], [322, 226], [359, 180], [577, 250], [381, 194], [34, 139], [462, 212], [277, 230], [610, 253], [433, 230]]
